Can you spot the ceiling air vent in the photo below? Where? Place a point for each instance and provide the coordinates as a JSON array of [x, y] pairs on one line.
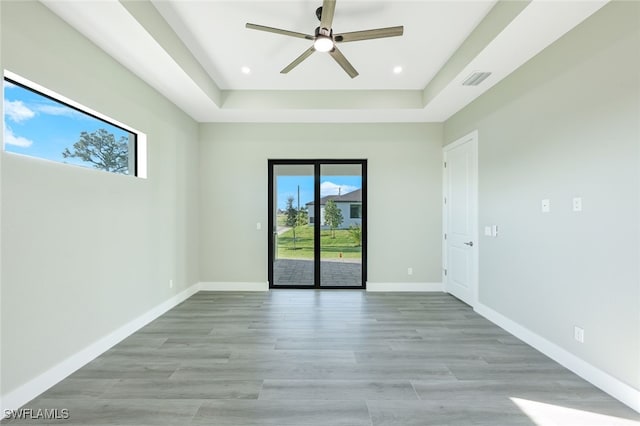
[[476, 78]]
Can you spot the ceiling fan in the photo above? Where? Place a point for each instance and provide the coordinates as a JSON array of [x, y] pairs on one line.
[[325, 40]]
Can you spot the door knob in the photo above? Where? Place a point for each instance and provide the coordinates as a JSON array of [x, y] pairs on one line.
[[470, 244]]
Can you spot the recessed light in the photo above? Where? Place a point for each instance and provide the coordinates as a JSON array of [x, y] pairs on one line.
[[245, 70], [397, 69]]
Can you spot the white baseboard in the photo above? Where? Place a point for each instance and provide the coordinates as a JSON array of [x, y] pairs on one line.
[[404, 286], [28, 391], [614, 387], [233, 286]]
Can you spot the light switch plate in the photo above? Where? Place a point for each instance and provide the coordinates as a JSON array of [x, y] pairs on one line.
[[487, 231]]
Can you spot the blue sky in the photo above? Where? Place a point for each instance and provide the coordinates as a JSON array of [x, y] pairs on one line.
[[329, 185], [37, 126]]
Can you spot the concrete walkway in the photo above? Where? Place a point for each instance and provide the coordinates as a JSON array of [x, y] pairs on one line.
[[282, 229], [332, 273]]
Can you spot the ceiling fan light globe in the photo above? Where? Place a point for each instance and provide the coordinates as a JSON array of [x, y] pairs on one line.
[[323, 43]]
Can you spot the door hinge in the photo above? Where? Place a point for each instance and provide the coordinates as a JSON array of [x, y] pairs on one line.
[[445, 164], [445, 236], [445, 200], [445, 272]]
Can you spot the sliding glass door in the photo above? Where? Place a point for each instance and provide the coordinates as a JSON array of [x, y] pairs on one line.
[[317, 218]]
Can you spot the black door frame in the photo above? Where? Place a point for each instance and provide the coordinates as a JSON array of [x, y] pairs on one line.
[[317, 163]]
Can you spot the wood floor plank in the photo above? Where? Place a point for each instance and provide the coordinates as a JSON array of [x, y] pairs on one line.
[[200, 388], [337, 390], [281, 413]]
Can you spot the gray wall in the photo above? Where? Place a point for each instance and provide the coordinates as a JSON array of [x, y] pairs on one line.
[[83, 251], [404, 182], [566, 125]]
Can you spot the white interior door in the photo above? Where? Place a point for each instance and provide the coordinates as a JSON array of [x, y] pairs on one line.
[[460, 252]]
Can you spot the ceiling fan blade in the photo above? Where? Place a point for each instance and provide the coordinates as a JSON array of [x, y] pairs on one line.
[[299, 59], [278, 31], [369, 34], [342, 61], [328, 8]]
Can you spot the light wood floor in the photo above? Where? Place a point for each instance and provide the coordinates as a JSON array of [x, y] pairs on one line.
[[305, 357]]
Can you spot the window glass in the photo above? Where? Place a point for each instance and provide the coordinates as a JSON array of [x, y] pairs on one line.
[[356, 211], [40, 126]]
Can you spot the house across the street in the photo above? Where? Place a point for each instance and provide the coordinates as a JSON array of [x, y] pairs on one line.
[[350, 204]]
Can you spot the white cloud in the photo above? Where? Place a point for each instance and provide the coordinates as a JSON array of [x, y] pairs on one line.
[[11, 139], [59, 110], [7, 84], [330, 188], [18, 111]]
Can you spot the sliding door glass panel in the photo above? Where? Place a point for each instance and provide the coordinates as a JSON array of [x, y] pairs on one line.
[[341, 221], [293, 232]]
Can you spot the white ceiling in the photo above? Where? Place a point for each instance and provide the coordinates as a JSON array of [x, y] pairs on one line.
[[215, 32], [192, 51]]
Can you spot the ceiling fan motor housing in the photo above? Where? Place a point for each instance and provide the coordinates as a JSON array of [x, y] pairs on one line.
[[320, 33], [323, 41]]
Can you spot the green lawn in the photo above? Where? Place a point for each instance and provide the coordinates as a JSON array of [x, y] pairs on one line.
[[330, 247]]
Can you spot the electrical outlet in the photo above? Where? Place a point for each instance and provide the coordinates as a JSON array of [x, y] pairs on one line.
[[545, 206], [170, 283], [578, 334], [577, 204], [409, 271]]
